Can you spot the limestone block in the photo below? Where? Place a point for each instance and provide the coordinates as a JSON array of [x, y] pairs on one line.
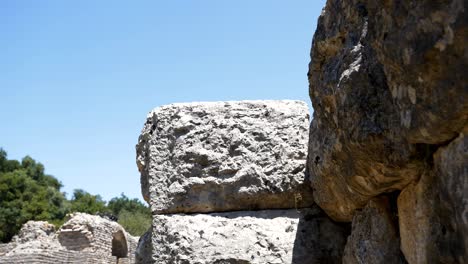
[[418, 221], [451, 168], [374, 235], [268, 236], [224, 156]]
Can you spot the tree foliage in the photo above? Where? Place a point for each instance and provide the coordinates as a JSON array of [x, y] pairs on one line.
[[85, 202], [117, 204], [136, 223], [27, 193], [133, 215]]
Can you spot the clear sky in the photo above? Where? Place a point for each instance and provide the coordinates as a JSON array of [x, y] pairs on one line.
[[77, 78]]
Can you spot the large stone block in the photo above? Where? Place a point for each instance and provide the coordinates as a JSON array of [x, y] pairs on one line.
[[387, 85], [433, 213], [419, 226], [269, 236], [451, 168], [224, 156]]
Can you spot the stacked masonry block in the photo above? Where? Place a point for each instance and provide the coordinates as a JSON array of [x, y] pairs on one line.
[[226, 183]]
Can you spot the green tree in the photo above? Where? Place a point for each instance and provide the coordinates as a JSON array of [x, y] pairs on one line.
[[133, 215], [117, 204], [136, 223], [85, 202], [26, 193], [7, 165]]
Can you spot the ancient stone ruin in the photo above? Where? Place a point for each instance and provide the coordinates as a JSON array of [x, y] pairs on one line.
[[388, 146], [381, 176], [226, 184], [387, 156], [82, 239]]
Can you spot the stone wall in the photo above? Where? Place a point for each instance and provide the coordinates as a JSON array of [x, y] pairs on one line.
[[238, 169], [82, 239], [389, 91]]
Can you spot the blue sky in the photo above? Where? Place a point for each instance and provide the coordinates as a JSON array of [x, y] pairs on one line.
[[77, 78]]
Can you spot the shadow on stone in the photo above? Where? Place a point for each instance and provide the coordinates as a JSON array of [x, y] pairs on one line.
[[319, 239]]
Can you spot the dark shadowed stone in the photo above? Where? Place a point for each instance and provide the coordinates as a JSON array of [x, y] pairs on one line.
[[119, 244], [387, 84], [143, 253], [374, 236], [433, 213]]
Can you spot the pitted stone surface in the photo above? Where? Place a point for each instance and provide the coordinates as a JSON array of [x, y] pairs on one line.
[[269, 236], [224, 156]]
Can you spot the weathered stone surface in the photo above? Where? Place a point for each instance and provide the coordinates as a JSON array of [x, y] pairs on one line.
[[418, 222], [433, 212], [422, 47], [269, 236], [451, 168], [224, 156], [85, 232], [374, 236], [82, 239], [34, 230], [387, 85], [33, 238]]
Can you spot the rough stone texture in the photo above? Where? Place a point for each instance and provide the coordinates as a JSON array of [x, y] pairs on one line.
[[224, 156], [82, 239], [451, 168], [433, 213], [33, 230], [374, 236], [85, 232], [269, 236], [418, 221], [232, 158], [388, 85]]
